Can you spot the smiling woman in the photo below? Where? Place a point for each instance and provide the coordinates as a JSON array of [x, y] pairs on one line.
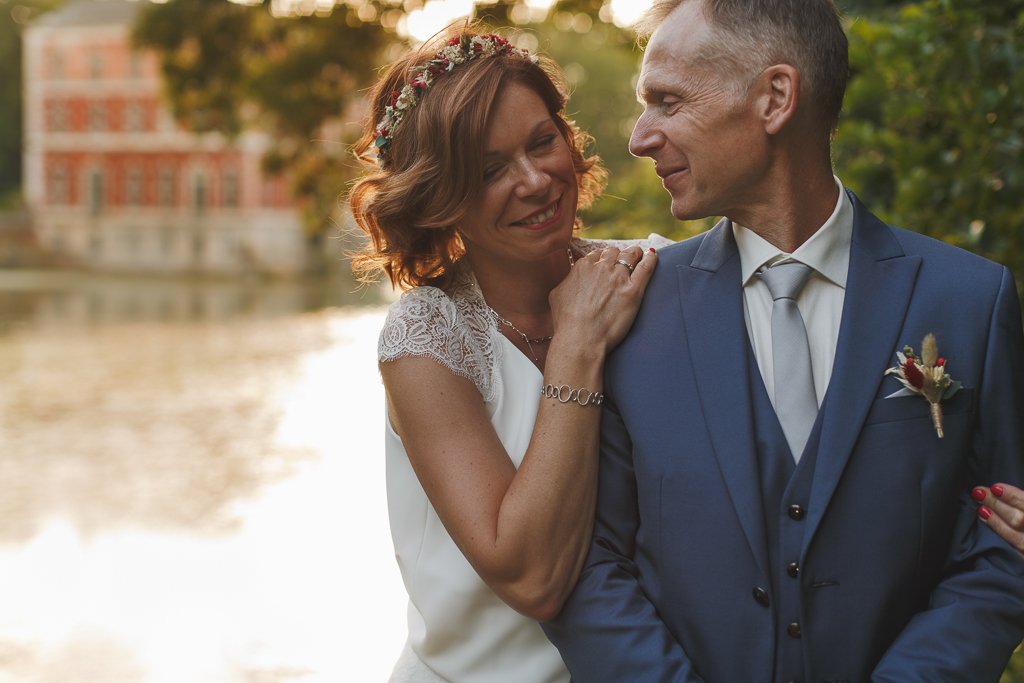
[[471, 207]]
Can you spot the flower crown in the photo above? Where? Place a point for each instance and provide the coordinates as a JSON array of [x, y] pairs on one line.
[[458, 50]]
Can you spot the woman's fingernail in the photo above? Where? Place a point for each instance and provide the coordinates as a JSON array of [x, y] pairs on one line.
[[984, 512], [997, 491], [650, 249], [978, 493]]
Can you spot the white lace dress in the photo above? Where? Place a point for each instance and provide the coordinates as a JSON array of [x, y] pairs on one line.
[[459, 630]]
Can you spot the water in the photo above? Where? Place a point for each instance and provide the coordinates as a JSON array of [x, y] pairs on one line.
[[192, 483]]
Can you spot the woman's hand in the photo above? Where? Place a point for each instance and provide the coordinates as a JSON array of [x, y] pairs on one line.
[[598, 300], [1002, 508]]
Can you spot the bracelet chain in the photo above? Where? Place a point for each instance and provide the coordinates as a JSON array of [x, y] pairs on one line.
[[564, 393]]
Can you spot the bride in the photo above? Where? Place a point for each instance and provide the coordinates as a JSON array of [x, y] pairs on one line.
[[492, 358]]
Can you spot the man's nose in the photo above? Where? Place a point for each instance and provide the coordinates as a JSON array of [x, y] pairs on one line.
[[645, 137]]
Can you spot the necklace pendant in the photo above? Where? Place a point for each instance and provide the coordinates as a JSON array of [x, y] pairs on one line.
[[529, 341]]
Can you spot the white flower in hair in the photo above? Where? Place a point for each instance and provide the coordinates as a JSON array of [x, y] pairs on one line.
[[453, 53], [457, 51], [407, 98]]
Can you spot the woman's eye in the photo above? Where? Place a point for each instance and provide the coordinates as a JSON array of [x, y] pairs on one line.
[[545, 141], [491, 172]]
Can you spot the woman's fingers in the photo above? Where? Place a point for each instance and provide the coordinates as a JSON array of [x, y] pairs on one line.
[[1002, 508]]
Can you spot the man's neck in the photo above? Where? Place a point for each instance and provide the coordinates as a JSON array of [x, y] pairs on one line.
[[795, 210]]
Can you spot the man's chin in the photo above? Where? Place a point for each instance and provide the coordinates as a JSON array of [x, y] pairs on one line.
[[685, 212]]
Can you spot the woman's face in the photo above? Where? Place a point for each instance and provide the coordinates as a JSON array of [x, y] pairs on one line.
[[527, 206]]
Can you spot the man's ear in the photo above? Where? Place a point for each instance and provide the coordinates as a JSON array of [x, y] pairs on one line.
[[779, 93]]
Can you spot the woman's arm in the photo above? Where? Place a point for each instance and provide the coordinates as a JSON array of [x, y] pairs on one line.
[[525, 532]]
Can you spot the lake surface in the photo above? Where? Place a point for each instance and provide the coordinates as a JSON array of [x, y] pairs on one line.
[[192, 483]]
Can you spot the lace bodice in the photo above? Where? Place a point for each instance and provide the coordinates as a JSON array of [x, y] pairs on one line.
[[454, 326]]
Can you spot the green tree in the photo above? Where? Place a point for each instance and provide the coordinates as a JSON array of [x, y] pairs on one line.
[[14, 16], [933, 131], [228, 66]]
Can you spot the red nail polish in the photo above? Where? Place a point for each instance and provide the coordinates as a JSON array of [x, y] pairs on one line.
[[997, 490], [650, 249], [984, 512], [978, 493]]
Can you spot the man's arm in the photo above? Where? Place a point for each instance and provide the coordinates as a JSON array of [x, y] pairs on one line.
[[975, 615], [608, 629]]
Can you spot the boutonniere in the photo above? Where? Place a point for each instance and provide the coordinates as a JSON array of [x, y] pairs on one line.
[[926, 375]]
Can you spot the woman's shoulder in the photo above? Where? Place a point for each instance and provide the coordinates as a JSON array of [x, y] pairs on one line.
[[450, 326], [654, 240]]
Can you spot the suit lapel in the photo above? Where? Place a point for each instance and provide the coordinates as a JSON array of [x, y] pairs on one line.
[[712, 309], [878, 288]]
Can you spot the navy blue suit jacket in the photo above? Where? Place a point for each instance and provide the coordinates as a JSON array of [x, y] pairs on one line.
[[899, 581]]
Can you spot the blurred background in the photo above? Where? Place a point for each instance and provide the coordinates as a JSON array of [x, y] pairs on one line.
[[190, 413]]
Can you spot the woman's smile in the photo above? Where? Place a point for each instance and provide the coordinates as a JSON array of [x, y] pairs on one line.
[[543, 218]]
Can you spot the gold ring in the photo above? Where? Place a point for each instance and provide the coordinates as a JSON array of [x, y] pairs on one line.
[[623, 262]]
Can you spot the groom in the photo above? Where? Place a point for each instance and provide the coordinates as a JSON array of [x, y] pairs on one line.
[[772, 505]]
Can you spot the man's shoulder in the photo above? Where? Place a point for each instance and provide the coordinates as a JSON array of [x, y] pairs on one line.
[[936, 253]]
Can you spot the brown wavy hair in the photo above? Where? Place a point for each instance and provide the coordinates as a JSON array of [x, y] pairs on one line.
[[411, 203]]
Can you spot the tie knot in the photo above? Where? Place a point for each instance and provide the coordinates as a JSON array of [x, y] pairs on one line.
[[785, 280]]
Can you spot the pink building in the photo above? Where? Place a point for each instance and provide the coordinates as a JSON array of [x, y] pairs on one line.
[[114, 183]]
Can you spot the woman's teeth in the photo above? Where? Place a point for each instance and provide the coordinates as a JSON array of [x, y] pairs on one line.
[[540, 217]]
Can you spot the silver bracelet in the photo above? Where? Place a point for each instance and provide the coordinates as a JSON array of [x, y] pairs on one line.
[[566, 394]]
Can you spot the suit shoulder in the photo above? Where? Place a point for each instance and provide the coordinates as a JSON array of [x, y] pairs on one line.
[[914, 243], [683, 251]]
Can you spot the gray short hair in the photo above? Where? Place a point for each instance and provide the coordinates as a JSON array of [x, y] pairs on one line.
[[806, 34]]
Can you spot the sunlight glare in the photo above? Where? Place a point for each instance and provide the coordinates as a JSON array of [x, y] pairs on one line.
[[625, 13], [420, 24]]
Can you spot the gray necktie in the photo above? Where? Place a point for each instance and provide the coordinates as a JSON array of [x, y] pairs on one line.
[[795, 401]]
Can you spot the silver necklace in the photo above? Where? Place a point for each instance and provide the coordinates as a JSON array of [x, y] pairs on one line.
[[530, 341]]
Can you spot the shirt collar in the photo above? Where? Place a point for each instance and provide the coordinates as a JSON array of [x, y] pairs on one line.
[[827, 250]]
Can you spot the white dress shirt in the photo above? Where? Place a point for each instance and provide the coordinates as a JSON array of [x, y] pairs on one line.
[[827, 251]]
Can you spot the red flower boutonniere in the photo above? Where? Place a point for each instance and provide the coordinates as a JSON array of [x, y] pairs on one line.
[[926, 375]]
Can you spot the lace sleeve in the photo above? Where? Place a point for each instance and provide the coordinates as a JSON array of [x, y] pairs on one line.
[[583, 247], [426, 321]]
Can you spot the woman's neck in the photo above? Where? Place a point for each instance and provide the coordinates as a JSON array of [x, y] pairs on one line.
[[518, 288]]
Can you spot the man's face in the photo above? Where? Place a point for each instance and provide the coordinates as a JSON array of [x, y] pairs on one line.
[[698, 126]]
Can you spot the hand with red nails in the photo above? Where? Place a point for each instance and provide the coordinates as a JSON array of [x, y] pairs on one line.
[[1002, 508]]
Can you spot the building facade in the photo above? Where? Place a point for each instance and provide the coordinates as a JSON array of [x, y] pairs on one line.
[[113, 183]]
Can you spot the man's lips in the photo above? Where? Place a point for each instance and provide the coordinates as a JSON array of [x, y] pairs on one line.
[[664, 173]]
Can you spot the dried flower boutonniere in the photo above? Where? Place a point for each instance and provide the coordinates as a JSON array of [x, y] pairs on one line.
[[926, 375]]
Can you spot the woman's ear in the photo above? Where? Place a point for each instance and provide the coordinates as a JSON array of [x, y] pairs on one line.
[[779, 93]]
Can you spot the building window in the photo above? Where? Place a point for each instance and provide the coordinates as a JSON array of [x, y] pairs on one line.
[[96, 64], [95, 185], [133, 187], [231, 188], [167, 188], [135, 65], [199, 193], [97, 116], [166, 241], [58, 185], [56, 63], [133, 118], [58, 116]]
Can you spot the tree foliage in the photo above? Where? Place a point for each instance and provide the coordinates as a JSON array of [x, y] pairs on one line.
[[228, 67], [933, 131], [14, 16]]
